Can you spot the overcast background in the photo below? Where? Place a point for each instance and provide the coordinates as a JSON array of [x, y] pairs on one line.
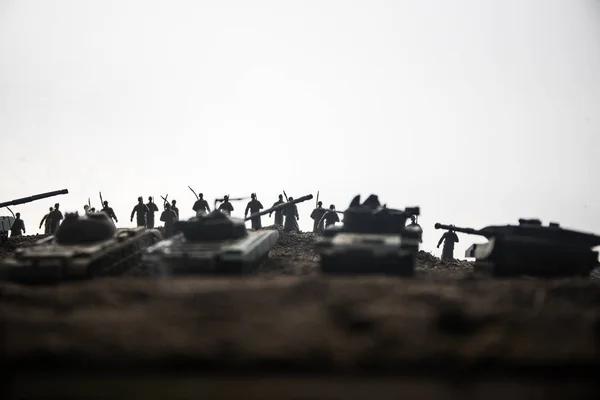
[[479, 111]]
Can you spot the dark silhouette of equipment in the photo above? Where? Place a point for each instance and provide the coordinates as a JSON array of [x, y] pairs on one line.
[[82, 247], [33, 198], [279, 207], [531, 249], [373, 239], [214, 243]]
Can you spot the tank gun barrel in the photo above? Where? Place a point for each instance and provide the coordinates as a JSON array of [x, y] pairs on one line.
[[33, 198], [278, 207], [469, 231]]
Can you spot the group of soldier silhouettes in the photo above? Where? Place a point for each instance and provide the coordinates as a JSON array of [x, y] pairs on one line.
[[286, 217]]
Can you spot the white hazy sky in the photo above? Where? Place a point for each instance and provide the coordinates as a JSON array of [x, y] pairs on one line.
[[479, 111]]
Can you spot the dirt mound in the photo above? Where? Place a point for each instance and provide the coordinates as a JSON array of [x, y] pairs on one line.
[[20, 241]]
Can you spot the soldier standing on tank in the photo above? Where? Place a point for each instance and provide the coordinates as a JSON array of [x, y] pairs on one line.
[[449, 238], [47, 220], [109, 211], [201, 206], [279, 212], [55, 217], [141, 210], [291, 217], [17, 226], [254, 206], [174, 208], [330, 217], [168, 217], [152, 208], [226, 207], [415, 225], [317, 216]]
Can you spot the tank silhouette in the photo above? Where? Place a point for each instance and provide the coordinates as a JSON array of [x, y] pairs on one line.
[[6, 222], [214, 243], [531, 249], [373, 239], [83, 247]]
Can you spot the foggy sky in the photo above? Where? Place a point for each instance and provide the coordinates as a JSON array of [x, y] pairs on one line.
[[479, 111]]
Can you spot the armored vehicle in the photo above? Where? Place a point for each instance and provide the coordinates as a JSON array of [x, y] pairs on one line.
[[6, 222], [373, 239], [214, 244], [531, 249], [83, 247]]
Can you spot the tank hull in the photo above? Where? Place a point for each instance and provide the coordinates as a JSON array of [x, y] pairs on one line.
[[507, 257], [178, 256], [47, 262], [345, 253]]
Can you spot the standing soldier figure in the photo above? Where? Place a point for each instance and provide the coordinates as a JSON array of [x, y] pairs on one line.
[[141, 210], [254, 206], [449, 238], [47, 220], [168, 217], [17, 226], [109, 211], [201, 206], [291, 217], [415, 225], [86, 209], [317, 215], [278, 213], [226, 207], [152, 208], [330, 217], [174, 208], [55, 218]]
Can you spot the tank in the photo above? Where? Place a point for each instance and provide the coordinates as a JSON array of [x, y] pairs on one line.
[[531, 249], [373, 239], [214, 243], [6, 222], [83, 247]]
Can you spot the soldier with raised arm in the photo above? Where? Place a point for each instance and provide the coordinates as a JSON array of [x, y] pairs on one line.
[[141, 210], [254, 206], [201, 206], [109, 211], [278, 213], [449, 238]]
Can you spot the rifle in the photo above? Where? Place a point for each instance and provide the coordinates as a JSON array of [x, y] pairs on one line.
[[194, 192]]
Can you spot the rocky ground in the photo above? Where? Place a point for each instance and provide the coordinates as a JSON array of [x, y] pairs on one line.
[[448, 334]]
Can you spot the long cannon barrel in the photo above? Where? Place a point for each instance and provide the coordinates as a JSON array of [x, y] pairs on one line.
[[33, 198], [278, 207], [469, 231]]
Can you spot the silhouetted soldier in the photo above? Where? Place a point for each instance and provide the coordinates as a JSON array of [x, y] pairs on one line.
[[291, 217], [331, 216], [93, 209], [254, 206], [168, 217], [226, 206], [17, 226], [86, 209], [278, 213], [174, 208], [415, 225], [141, 210], [55, 218], [201, 206], [317, 216], [109, 211], [152, 208], [46, 220], [449, 238]]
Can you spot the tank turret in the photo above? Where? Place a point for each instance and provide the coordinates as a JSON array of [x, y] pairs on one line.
[[214, 243], [373, 239], [83, 247], [532, 249]]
